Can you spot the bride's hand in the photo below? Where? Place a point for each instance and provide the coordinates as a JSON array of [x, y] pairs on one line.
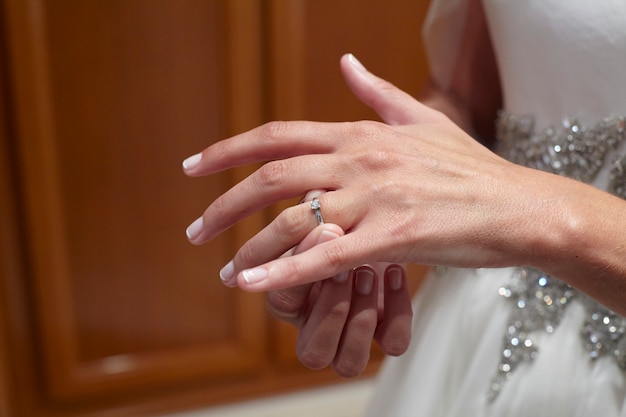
[[337, 318], [416, 189]]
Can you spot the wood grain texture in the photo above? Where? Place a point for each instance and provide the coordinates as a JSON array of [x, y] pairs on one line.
[[105, 308]]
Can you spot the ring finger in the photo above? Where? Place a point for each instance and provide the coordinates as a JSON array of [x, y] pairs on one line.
[[291, 226]]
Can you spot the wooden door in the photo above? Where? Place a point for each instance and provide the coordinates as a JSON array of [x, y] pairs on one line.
[[105, 308], [107, 98]]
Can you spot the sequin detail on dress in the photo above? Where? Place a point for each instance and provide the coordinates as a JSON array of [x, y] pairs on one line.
[[538, 300]]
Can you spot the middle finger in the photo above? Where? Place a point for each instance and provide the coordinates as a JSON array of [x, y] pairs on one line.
[[273, 182]]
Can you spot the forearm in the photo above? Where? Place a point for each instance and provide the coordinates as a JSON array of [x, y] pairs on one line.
[[580, 238]]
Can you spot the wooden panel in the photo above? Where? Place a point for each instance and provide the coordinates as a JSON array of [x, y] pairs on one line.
[[307, 39], [9, 251], [105, 308], [110, 96]]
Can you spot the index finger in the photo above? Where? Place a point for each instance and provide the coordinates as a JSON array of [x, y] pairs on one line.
[[287, 304], [328, 259], [273, 140]]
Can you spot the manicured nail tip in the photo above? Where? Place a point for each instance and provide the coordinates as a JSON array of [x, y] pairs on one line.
[[364, 281], [195, 228], [227, 273], [192, 161], [354, 61], [327, 236], [254, 276], [395, 278]]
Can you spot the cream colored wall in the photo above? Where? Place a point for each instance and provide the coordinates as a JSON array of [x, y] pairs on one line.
[[345, 400]]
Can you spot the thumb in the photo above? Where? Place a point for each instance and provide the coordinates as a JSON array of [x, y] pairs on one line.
[[393, 105]]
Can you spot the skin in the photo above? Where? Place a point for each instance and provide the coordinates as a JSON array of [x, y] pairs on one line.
[[338, 318], [413, 188], [472, 102]]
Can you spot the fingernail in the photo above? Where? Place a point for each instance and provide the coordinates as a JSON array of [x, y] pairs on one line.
[[342, 277], [356, 62], [395, 278], [254, 276], [227, 273], [364, 281], [326, 236], [195, 228], [192, 161]]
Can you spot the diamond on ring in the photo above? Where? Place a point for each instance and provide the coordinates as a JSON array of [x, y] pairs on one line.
[[315, 206]]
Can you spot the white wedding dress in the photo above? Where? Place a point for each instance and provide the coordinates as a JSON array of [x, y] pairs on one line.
[[515, 342]]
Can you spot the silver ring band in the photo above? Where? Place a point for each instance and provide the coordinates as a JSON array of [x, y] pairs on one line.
[[315, 206]]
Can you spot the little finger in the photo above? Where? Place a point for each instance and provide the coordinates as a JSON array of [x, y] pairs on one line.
[[393, 333]]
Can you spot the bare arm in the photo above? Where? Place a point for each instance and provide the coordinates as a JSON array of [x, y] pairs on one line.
[[414, 189], [585, 245], [474, 96]]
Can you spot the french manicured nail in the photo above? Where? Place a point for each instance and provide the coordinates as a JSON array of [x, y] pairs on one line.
[[364, 281], [326, 236], [356, 62], [227, 273], [195, 228], [254, 276], [395, 278], [192, 161]]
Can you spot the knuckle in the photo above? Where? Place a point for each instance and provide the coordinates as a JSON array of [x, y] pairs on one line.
[[364, 323], [351, 366], [285, 303], [314, 358], [246, 256], [334, 256], [338, 312], [219, 208], [365, 129], [377, 159], [273, 131], [291, 270], [379, 153], [290, 223], [271, 175]]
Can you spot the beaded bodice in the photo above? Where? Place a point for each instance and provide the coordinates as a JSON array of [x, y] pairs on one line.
[[538, 301], [573, 149]]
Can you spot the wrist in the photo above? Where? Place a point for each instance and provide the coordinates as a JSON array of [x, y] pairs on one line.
[[583, 244]]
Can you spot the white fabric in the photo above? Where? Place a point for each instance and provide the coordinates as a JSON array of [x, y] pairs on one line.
[[443, 32], [556, 58]]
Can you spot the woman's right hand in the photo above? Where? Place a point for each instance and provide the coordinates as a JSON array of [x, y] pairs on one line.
[[337, 318]]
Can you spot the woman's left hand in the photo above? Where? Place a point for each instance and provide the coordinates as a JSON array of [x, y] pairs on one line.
[[416, 189]]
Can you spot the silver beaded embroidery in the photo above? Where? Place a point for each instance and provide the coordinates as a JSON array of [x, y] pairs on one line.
[[538, 301], [571, 150]]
